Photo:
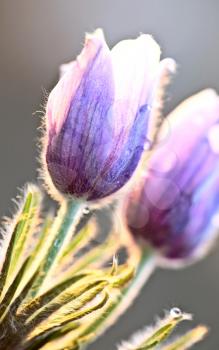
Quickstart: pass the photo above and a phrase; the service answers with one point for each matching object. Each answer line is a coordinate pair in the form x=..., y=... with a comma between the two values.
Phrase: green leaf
x=11, y=291
x=48, y=336
x=149, y=339
x=70, y=312
x=79, y=289
x=118, y=277
x=24, y=226
x=187, y=340
x=121, y=298
x=30, y=306
x=94, y=258
x=38, y=252
x=80, y=240
x=74, y=298
x=70, y=341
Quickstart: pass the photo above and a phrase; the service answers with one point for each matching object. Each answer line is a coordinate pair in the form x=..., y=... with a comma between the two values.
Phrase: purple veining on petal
x=86, y=159
x=62, y=94
x=74, y=146
x=117, y=172
x=97, y=116
x=180, y=226
x=198, y=228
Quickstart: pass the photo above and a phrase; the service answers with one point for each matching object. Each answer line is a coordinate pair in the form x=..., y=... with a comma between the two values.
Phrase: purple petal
x=113, y=177
x=61, y=96
x=135, y=66
x=72, y=154
x=176, y=203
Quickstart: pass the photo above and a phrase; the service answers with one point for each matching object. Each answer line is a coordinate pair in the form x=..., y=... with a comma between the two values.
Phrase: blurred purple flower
x=97, y=116
x=175, y=207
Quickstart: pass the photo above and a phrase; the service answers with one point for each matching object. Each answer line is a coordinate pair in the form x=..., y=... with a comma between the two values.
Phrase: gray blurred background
x=35, y=38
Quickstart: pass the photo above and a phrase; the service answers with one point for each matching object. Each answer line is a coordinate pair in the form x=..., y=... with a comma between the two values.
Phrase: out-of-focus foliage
x=154, y=337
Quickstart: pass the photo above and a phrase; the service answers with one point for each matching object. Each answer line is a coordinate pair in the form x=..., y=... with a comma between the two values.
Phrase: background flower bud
x=97, y=116
x=175, y=207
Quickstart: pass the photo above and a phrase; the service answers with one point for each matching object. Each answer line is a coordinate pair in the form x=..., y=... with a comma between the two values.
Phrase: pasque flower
x=175, y=207
x=97, y=116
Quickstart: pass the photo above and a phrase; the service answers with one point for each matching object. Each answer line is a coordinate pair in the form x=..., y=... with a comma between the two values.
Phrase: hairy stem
x=63, y=228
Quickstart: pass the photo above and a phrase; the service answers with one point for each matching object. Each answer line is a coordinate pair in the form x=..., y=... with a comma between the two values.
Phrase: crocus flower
x=175, y=207
x=97, y=116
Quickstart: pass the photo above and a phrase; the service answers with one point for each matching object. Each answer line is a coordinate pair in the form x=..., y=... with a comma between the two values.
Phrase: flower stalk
x=64, y=227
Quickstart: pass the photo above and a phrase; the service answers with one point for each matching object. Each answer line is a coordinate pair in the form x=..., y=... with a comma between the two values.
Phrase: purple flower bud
x=175, y=207
x=97, y=116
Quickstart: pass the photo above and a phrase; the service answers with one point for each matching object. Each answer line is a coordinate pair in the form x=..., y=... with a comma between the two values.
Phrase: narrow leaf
x=71, y=313
x=11, y=291
x=187, y=340
x=24, y=224
x=81, y=239
x=29, y=307
x=93, y=258
x=71, y=299
x=149, y=339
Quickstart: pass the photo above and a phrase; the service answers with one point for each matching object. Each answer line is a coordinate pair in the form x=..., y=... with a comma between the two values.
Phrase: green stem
x=64, y=226
x=116, y=308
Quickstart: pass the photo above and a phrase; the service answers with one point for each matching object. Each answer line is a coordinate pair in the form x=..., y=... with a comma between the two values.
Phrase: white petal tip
x=170, y=65
x=65, y=67
x=148, y=40
x=97, y=34
x=210, y=93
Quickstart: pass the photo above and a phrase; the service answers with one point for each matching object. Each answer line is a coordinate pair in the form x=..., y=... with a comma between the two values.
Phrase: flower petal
x=135, y=64
x=60, y=97
x=166, y=69
x=175, y=204
x=180, y=136
x=98, y=128
x=80, y=143
x=125, y=160
x=196, y=234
